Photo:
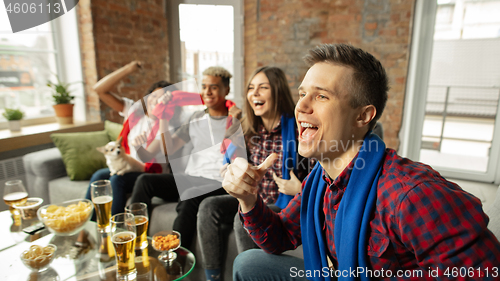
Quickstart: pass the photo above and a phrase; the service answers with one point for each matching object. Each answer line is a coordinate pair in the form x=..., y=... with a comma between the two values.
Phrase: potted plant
x=62, y=99
x=14, y=117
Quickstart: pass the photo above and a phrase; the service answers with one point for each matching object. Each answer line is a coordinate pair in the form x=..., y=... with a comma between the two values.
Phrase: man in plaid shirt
x=421, y=226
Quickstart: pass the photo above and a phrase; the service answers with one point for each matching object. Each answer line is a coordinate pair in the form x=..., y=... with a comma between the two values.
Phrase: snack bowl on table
x=28, y=210
x=66, y=218
x=166, y=241
x=38, y=258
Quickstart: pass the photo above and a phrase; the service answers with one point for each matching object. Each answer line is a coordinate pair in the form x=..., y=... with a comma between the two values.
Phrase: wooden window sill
x=40, y=134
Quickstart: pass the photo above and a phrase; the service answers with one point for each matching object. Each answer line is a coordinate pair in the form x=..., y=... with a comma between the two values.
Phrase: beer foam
x=102, y=199
x=140, y=220
x=123, y=237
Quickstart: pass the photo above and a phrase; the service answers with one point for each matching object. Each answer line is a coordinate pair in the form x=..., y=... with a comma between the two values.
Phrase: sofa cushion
x=79, y=153
x=63, y=189
x=45, y=163
x=112, y=129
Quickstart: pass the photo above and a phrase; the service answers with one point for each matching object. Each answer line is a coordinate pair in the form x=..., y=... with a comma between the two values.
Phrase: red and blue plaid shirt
x=423, y=224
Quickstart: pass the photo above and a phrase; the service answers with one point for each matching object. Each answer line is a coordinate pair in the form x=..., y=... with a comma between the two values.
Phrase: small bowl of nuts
x=38, y=258
x=166, y=241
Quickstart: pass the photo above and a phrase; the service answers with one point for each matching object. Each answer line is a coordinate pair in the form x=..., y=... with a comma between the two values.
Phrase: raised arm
x=106, y=84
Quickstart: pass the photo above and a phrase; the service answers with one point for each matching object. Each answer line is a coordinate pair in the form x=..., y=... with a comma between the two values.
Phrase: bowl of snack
x=38, y=258
x=66, y=218
x=166, y=241
x=28, y=210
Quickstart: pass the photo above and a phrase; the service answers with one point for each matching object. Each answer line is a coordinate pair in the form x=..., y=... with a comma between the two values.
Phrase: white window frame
x=174, y=42
x=416, y=97
x=69, y=60
x=69, y=66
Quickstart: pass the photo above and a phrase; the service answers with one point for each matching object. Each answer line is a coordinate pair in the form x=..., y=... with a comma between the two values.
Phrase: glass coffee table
x=83, y=256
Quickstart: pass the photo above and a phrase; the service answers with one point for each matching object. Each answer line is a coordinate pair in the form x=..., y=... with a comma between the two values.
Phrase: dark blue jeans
x=165, y=186
x=121, y=185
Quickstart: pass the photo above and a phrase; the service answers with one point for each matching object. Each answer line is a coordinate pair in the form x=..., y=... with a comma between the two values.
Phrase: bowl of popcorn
x=166, y=241
x=66, y=218
x=29, y=208
x=38, y=258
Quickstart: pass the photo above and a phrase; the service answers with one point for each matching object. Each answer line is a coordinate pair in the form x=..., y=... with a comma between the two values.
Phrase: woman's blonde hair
x=281, y=98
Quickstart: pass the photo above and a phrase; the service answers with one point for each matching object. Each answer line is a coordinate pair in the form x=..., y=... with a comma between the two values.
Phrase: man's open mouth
x=307, y=131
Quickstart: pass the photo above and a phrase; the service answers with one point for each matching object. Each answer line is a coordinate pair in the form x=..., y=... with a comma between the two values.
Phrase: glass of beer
x=14, y=194
x=140, y=212
x=102, y=197
x=123, y=234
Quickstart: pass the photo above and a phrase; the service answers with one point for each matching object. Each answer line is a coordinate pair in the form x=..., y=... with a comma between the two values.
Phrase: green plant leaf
x=61, y=94
x=13, y=114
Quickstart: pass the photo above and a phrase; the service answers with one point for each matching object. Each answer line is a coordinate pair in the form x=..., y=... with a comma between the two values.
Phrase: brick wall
x=279, y=32
x=121, y=31
x=89, y=70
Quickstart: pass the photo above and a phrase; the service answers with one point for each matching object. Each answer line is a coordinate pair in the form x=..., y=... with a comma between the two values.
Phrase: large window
x=209, y=44
x=451, y=117
x=206, y=33
x=28, y=59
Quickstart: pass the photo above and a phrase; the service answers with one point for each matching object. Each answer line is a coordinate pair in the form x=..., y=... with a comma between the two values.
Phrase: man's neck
x=220, y=111
x=334, y=165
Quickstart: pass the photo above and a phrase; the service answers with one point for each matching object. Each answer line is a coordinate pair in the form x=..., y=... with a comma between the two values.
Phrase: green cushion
x=79, y=153
x=112, y=129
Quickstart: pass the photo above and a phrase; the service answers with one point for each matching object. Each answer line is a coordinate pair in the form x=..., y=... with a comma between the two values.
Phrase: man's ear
x=228, y=90
x=366, y=115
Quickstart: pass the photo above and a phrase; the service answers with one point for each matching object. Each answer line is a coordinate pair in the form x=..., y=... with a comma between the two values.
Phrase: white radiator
x=11, y=169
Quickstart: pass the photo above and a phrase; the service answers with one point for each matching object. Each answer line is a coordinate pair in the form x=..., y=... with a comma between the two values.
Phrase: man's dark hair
x=369, y=83
x=160, y=84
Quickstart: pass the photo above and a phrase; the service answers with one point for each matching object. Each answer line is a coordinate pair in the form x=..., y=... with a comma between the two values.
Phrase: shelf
x=40, y=134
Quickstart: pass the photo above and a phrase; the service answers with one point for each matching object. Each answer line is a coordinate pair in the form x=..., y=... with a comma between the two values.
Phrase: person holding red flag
x=206, y=130
x=136, y=124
